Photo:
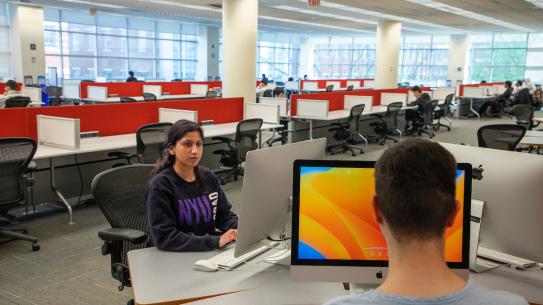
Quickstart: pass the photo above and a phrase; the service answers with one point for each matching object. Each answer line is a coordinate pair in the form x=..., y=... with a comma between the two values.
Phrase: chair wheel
x=131, y=302
x=35, y=247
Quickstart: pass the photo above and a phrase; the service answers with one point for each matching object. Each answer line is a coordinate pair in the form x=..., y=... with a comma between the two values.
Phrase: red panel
x=136, y=88
x=13, y=122
x=220, y=110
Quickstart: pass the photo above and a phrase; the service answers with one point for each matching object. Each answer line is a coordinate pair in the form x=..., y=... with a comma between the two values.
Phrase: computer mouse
x=205, y=265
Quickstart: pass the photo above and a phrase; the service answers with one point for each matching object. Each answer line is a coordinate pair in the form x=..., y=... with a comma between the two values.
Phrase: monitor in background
x=267, y=189
x=334, y=235
x=292, y=85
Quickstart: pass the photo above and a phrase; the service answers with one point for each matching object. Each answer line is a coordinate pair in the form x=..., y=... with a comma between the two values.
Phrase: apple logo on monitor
x=379, y=274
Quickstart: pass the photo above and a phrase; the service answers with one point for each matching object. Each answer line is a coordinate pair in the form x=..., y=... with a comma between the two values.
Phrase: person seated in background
x=10, y=90
x=537, y=97
x=209, y=78
x=414, y=204
x=516, y=90
x=528, y=84
x=131, y=77
x=264, y=78
x=290, y=79
x=217, y=78
x=263, y=86
x=483, y=82
x=411, y=115
x=186, y=206
x=305, y=77
x=279, y=92
x=495, y=105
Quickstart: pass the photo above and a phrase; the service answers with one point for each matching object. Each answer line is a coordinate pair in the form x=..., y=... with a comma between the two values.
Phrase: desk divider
x=71, y=89
x=369, y=83
x=281, y=102
x=353, y=100
x=58, y=131
x=389, y=98
x=97, y=93
x=154, y=89
x=309, y=85
x=473, y=92
x=268, y=113
x=34, y=93
x=441, y=93
x=198, y=89
x=174, y=115
x=313, y=108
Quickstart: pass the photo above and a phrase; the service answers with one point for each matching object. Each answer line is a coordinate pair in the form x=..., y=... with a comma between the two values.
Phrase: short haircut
x=508, y=83
x=415, y=188
x=11, y=84
x=131, y=73
x=264, y=82
x=519, y=82
x=278, y=90
x=415, y=89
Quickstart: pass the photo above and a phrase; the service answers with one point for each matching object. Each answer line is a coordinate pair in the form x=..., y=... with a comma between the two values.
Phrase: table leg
x=58, y=193
x=260, y=138
x=310, y=129
x=473, y=110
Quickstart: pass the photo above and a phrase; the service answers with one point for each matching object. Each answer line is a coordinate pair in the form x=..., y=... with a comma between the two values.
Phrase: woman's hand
x=227, y=237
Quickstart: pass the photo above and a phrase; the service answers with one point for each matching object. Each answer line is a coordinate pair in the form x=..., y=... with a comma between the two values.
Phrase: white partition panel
x=441, y=93
x=71, y=89
x=336, y=84
x=97, y=93
x=58, y=131
x=154, y=89
x=198, y=89
x=310, y=85
x=33, y=93
x=352, y=100
x=473, y=92
x=292, y=85
x=369, y=83
x=354, y=83
x=499, y=89
x=268, y=113
x=313, y=108
x=492, y=90
x=389, y=98
x=167, y=115
x=282, y=102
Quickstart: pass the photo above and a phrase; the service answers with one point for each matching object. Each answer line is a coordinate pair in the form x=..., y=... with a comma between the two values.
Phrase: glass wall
x=423, y=60
x=5, y=50
x=81, y=46
x=344, y=57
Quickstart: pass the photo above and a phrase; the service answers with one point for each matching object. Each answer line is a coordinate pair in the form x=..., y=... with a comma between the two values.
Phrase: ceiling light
x=323, y=14
x=96, y=4
x=313, y=24
x=189, y=6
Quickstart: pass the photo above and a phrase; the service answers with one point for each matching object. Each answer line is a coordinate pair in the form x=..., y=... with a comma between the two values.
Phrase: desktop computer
x=334, y=235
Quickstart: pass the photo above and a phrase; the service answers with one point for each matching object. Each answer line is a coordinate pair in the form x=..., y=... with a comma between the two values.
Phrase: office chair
x=279, y=134
x=388, y=123
x=426, y=125
x=350, y=88
x=246, y=134
x=267, y=93
x=177, y=80
x=443, y=112
x=149, y=97
x=149, y=141
x=500, y=136
x=347, y=138
x=524, y=115
x=16, y=173
x=524, y=97
x=120, y=195
x=17, y=101
x=329, y=88
x=128, y=100
x=211, y=94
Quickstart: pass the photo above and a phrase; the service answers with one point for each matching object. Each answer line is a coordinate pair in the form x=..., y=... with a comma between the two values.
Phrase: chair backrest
x=53, y=91
x=350, y=88
x=128, y=100
x=392, y=113
x=17, y=101
x=524, y=115
x=329, y=88
x=120, y=195
x=524, y=97
x=150, y=141
x=15, y=155
x=447, y=105
x=177, y=80
x=267, y=93
x=429, y=109
x=501, y=136
x=355, y=114
x=246, y=135
x=211, y=94
x=149, y=96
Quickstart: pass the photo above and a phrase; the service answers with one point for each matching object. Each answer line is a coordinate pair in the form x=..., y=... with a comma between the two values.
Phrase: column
x=458, y=49
x=388, y=54
x=27, y=42
x=213, y=51
x=240, y=29
x=307, y=55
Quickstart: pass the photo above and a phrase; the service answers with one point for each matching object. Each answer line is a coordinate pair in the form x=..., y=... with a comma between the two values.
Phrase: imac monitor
x=267, y=189
x=334, y=235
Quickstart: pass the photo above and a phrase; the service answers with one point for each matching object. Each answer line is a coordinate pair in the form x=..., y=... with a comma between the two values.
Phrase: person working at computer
x=496, y=104
x=414, y=204
x=10, y=90
x=131, y=77
x=186, y=206
x=279, y=92
x=264, y=78
x=411, y=115
x=263, y=86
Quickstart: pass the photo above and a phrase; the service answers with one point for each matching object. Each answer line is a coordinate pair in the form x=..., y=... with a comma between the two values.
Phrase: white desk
x=110, y=100
x=168, y=277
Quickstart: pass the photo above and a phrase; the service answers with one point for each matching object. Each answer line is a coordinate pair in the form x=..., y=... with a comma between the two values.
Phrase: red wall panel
x=13, y=122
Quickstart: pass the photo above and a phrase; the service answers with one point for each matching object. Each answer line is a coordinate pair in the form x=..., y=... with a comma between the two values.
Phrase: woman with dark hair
x=187, y=209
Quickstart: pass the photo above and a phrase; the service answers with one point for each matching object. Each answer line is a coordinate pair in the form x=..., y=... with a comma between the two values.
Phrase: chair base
x=226, y=175
x=19, y=234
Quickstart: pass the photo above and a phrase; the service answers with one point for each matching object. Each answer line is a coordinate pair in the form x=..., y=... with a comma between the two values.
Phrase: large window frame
x=423, y=60
x=6, y=68
x=344, y=57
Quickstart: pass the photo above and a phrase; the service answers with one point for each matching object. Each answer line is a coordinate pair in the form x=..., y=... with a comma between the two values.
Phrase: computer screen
x=333, y=220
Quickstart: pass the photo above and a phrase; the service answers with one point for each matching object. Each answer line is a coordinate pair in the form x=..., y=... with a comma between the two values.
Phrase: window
x=5, y=54
x=81, y=46
x=424, y=60
x=344, y=57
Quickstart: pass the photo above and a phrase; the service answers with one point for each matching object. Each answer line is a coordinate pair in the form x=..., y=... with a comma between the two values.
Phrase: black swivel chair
x=348, y=138
x=426, y=125
x=500, y=136
x=128, y=100
x=149, y=97
x=211, y=94
x=524, y=97
x=15, y=158
x=350, y=88
x=17, y=101
x=524, y=115
x=120, y=194
x=177, y=80
x=246, y=134
x=329, y=88
x=387, y=126
x=267, y=93
x=443, y=112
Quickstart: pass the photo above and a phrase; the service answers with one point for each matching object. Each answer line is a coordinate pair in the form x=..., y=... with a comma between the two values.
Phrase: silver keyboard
x=226, y=259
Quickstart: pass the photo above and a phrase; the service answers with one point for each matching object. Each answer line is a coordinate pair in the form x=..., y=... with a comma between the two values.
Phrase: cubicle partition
x=322, y=83
x=136, y=88
x=461, y=89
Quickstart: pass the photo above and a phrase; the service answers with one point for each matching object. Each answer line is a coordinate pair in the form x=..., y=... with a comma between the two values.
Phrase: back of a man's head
x=415, y=187
x=11, y=84
x=415, y=89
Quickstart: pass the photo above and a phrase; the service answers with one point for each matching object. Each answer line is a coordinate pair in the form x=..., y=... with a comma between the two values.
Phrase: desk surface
x=159, y=276
x=343, y=114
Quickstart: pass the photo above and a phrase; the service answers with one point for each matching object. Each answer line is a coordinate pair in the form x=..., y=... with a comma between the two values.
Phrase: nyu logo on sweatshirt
x=203, y=208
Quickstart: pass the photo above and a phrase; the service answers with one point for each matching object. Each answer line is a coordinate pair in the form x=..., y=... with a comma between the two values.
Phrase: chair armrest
x=377, y=115
x=32, y=166
x=119, y=234
x=222, y=139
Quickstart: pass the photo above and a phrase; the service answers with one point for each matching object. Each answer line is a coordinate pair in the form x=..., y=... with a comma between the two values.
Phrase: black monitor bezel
x=464, y=264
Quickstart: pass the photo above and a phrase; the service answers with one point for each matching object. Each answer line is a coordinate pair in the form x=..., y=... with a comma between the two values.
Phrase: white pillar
x=307, y=53
x=240, y=29
x=388, y=53
x=27, y=42
x=458, y=49
x=213, y=51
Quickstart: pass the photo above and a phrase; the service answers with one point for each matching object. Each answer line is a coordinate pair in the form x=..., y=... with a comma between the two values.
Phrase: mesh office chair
x=329, y=88
x=524, y=97
x=387, y=126
x=246, y=134
x=501, y=136
x=267, y=93
x=177, y=80
x=524, y=115
x=347, y=138
x=149, y=97
x=120, y=194
x=211, y=94
x=15, y=157
x=128, y=100
x=443, y=112
x=426, y=126
x=350, y=88
x=17, y=101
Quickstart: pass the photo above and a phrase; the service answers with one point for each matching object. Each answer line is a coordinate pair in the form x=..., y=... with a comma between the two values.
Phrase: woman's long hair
x=176, y=132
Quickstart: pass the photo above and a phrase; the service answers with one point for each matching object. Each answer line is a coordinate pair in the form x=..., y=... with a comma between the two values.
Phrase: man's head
x=11, y=85
x=415, y=191
x=416, y=91
x=508, y=84
x=131, y=73
x=278, y=92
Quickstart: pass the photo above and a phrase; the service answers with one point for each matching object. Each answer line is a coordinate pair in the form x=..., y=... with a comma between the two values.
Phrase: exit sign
x=313, y=3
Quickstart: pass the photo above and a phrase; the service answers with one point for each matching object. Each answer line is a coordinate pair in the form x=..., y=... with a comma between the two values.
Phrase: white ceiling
x=343, y=16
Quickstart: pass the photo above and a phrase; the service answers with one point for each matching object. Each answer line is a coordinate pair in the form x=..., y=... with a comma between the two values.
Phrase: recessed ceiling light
x=96, y=4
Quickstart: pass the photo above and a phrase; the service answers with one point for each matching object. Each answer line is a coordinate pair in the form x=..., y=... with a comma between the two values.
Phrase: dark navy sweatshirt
x=187, y=216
